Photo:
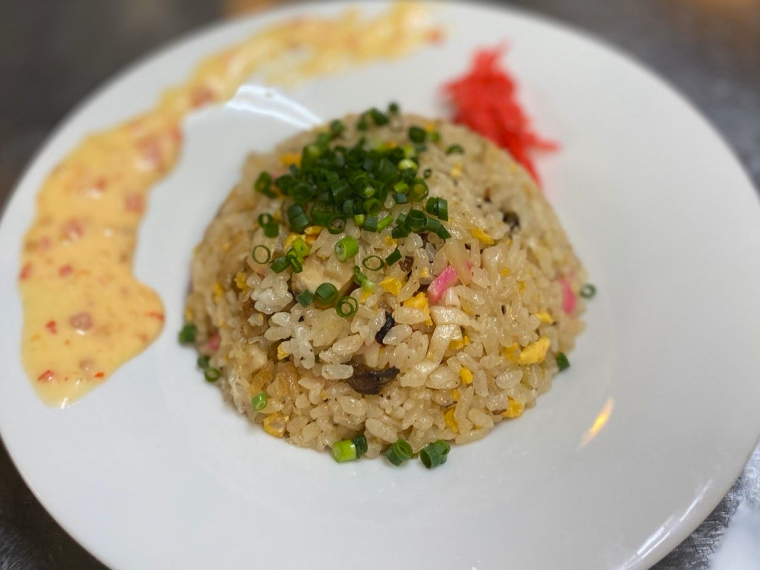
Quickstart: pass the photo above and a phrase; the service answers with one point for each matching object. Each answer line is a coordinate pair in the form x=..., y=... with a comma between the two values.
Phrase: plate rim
x=695, y=516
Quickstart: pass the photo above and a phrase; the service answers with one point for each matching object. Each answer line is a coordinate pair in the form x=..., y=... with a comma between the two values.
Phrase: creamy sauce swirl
x=85, y=313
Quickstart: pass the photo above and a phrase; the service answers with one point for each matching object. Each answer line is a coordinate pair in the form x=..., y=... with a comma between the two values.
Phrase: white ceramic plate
x=153, y=470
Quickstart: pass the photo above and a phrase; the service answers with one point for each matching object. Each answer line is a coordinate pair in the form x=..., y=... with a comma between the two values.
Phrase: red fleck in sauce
x=76, y=267
x=485, y=99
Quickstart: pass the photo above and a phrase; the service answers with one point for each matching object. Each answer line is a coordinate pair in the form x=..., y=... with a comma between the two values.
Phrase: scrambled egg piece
x=274, y=424
x=505, y=272
x=535, y=352
x=218, y=291
x=448, y=416
x=545, y=317
x=420, y=301
x=459, y=344
x=466, y=375
x=482, y=236
x=313, y=230
x=240, y=281
x=392, y=285
x=281, y=352
x=455, y=395
x=188, y=315
x=290, y=159
x=512, y=352
x=456, y=171
x=514, y=409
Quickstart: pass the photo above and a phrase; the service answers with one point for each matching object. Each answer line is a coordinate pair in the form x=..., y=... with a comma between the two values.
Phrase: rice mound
x=479, y=355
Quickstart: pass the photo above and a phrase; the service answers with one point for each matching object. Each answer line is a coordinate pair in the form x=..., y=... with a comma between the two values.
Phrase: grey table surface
x=55, y=52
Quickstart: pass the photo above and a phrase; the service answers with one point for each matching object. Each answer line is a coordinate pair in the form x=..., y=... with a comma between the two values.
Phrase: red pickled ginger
x=485, y=100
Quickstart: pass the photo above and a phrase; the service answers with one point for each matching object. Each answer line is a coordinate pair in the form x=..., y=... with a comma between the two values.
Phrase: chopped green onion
x=455, y=149
x=359, y=277
x=346, y=306
x=373, y=206
x=326, y=294
x=407, y=164
x=263, y=185
x=428, y=173
x=187, y=334
x=346, y=248
x=379, y=117
x=368, y=286
x=400, y=198
x=438, y=207
x=297, y=218
x=399, y=452
x=435, y=454
x=362, y=124
x=419, y=191
x=394, y=108
x=261, y=254
x=212, y=374
x=399, y=232
x=588, y=291
x=384, y=223
x=343, y=451
x=295, y=263
x=443, y=233
x=359, y=220
x=373, y=263
x=259, y=401
x=310, y=155
x=280, y=264
x=305, y=298
x=301, y=248
x=417, y=135
x=203, y=361
x=409, y=152
x=272, y=230
x=401, y=187
x=416, y=220
x=371, y=223
x=337, y=128
x=562, y=362
x=265, y=220
x=434, y=136
x=360, y=443
x=336, y=225
x=393, y=258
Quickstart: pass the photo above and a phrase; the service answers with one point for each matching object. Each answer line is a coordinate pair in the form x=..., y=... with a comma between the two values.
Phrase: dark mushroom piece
x=512, y=220
x=366, y=380
x=385, y=329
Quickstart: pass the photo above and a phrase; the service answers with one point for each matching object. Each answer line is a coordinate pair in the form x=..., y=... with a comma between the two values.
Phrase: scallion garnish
x=360, y=442
x=428, y=173
x=263, y=185
x=261, y=254
x=346, y=306
x=419, y=190
x=212, y=374
x=373, y=206
x=305, y=298
x=438, y=207
x=455, y=149
x=407, y=164
x=399, y=452
x=435, y=454
x=187, y=334
x=259, y=401
x=346, y=248
x=203, y=361
x=417, y=135
x=393, y=258
x=280, y=264
x=326, y=294
x=343, y=451
x=373, y=263
x=337, y=225
x=301, y=248
x=588, y=291
x=562, y=362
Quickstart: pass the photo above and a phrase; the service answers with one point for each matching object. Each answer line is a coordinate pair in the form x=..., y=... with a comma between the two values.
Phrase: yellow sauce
x=85, y=313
